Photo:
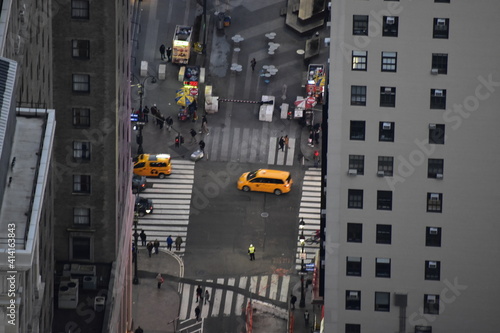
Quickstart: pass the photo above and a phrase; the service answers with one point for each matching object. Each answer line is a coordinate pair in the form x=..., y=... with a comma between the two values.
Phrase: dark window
x=434, y=202
x=81, y=150
x=80, y=9
x=386, y=165
x=353, y=300
x=353, y=266
x=389, y=61
x=359, y=60
x=354, y=232
x=388, y=96
x=435, y=167
x=81, y=49
x=81, y=216
x=352, y=328
x=436, y=134
x=384, y=200
x=386, y=131
x=357, y=130
x=390, y=26
x=81, y=184
x=360, y=25
x=433, y=236
x=384, y=234
x=355, y=199
x=425, y=329
x=383, y=267
x=140, y=165
x=432, y=270
x=441, y=28
x=431, y=304
x=440, y=62
x=382, y=301
x=81, y=117
x=358, y=95
x=357, y=162
x=81, y=248
x=438, y=99
x=81, y=83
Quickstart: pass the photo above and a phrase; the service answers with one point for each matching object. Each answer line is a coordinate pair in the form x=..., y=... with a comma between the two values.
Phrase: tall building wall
x=460, y=206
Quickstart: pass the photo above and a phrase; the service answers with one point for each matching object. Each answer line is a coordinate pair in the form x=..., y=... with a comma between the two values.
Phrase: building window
x=359, y=60
x=386, y=165
x=425, y=329
x=389, y=61
x=431, y=304
x=354, y=232
x=81, y=49
x=81, y=150
x=80, y=9
x=390, y=26
x=386, y=131
x=360, y=25
x=81, y=248
x=81, y=83
x=81, y=117
x=353, y=300
x=384, y=200
x=435, y=167
x=441, y=28
x=436, y=134
x=357, y=131
x=353, y=266
x=388, y=96
x=440, y=62
x=355, y=199
x=81, y=184
x=352, y=328
x=383, y=267
x=357, y=162
x=382, y=301
x=81, y=216
x=434, y=202
x=432, y=270
x=438, y=99
x=433, y=236
x=384, y=234
x=358, y=95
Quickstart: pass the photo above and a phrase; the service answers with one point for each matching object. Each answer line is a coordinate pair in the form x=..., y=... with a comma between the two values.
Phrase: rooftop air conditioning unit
x=386, y=126
x=352, y=172
x=431, y=299
x=441, y=21
x=391, y=20
x=434, y=71
x=439, y=175
x=438, y=93
x=433, y=231
x=434, y=196
x=387, y=89
x=380, y=173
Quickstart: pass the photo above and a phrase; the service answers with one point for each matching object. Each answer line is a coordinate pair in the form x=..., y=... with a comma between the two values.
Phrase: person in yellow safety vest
x=251, y=252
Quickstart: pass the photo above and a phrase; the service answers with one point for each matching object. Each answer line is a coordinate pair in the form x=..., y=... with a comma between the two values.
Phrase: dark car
x=138, y=183
x=143, y=206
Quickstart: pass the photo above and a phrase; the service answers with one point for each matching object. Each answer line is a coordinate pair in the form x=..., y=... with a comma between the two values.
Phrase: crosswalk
x=310, y=211
x=247, y=145
x=171, y=200
x=228, y=296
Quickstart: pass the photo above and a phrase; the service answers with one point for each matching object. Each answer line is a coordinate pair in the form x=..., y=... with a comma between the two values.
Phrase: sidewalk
x=156, y=310
x=299, y=322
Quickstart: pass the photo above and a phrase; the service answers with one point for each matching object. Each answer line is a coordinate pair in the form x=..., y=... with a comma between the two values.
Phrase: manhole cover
x=264, y=214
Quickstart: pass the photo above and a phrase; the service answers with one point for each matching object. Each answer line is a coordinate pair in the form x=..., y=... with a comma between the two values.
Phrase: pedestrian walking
x=306, y=318
x=251, y=252
x=310, y=142
x=145, y=113
x=159, y=280
x=156, y=245
x=286, y=142
x=199, y=295
x=161, y=120
x=178, y=242
x=150, y=248
x=162, y=51
x=207, y=297
x=316, y=159
x=202, y=145
x=169, y=54
x=143, y=237
x=281, y=144
x=293, y=299
x=316, y=137
x=139, y=330
x=197, y=312
x=169, y=121
x=253, y=63
x=193, y=136
x=169, y=243
x=204, y=125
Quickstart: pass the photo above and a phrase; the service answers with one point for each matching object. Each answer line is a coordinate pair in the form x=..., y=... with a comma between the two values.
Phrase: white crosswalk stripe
x=171, y=200
x=226, y=302
x=310, y=211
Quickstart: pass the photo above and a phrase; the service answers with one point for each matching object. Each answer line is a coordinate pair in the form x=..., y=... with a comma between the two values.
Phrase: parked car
x=138, y=183
x=143, y=206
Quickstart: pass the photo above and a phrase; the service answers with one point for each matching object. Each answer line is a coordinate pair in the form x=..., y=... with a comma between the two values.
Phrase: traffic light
x=179, y=139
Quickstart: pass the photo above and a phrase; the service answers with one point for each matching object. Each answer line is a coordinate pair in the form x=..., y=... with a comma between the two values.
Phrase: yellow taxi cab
x=156, y=165
x=266, y=180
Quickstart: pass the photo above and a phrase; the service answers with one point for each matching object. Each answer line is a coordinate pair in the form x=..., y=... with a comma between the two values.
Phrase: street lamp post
x=141, y=123
x=134, y=254
x=302, y=272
